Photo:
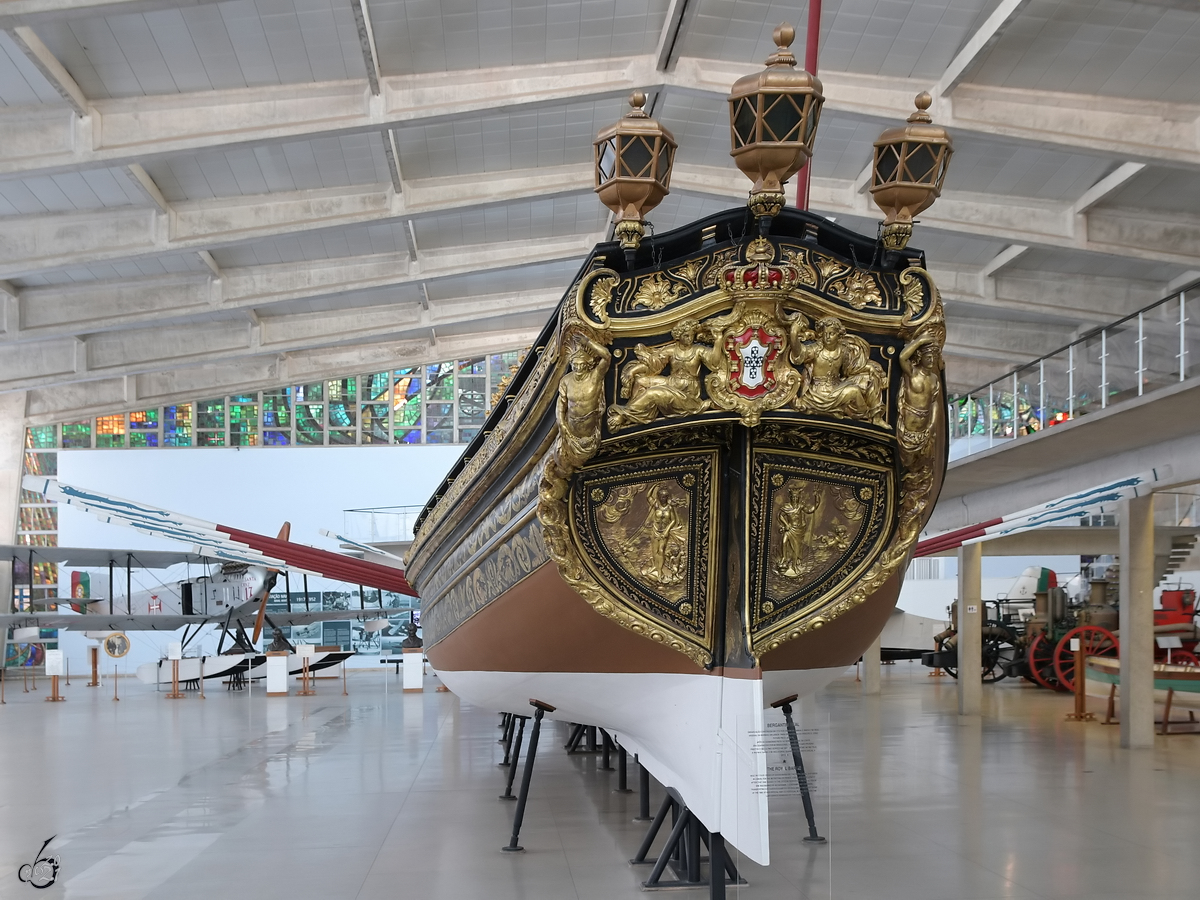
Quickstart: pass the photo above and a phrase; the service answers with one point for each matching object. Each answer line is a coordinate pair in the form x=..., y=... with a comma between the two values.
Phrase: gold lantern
x=633, y=170
x=910, y=166
x=773, y=119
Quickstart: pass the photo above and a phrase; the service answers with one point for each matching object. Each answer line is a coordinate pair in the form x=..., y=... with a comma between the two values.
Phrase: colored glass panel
x=276, y=438
x=310, y=423
x=306, y=393
x=342, y=395
x=243, y=420
x=472, y=394
x=143, y=439
x=375, y=387
x=37, y=518
x=374, y=423
x=439, y=381
x=41, y=463
x=210, y=438
x=143, y=420
x=37, y=540
x=110, y=431
x=342, y=437
x=41, y=437
x=277, y=409
x=177, y=425
x=210, y=414
x=408, y=435
x=406, y=401
x=77, y=435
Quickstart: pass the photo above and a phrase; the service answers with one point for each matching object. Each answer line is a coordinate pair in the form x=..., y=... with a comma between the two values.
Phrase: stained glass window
x=406, y=404
x=177, y=425
x=143, y=428
x=472, y=396
x=343, y=410
x=77, y=435
x=38, y=518
x=310, y=423
x=374, y=423
x=41, y=437
x=307, y=393
x=210, y=423
x=41, y=464
x=110, y=431
x=243, y=420
x=375, y=387
x=439, y=403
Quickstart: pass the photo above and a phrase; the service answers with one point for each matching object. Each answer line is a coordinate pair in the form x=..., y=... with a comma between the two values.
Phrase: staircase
x=1182, y=557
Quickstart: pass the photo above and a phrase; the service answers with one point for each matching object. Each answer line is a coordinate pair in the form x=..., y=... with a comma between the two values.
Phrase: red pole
x=804, y=176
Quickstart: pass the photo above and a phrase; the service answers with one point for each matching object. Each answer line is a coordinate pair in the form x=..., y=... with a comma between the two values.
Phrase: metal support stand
x=516, y=756
x=526, y=777
x=577, y=732
x=643, y=793
x=606, y=744
x=622, y=772
x=801, y=777
x=682, y=852
x=509, y=725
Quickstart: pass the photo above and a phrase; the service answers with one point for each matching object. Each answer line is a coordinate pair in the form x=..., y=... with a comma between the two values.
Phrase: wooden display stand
x=305, y=651
x=175, y=694
x=94, y=652
x=54, y=666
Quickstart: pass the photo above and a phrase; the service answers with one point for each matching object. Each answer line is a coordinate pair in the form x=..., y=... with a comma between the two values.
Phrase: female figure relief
x=675, y=394
x=796, y=521
x=841, y=379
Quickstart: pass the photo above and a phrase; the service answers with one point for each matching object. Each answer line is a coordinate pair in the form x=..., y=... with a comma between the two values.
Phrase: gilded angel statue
x=840, y=378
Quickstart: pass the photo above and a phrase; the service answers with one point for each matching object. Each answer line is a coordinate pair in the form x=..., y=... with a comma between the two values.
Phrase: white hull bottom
x=695, y=733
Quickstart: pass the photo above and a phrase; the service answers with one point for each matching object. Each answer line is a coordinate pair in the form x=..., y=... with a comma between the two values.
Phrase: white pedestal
x=277, y=671
x=414, y=669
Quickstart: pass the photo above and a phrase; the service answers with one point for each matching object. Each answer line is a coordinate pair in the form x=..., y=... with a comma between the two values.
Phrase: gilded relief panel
x=816, y=523
x=647, y=529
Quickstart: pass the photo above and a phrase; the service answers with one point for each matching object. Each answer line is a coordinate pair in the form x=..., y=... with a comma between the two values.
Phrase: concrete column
x=1137, y=622
x=970, y=629
x=871, y=666
x=12, y=450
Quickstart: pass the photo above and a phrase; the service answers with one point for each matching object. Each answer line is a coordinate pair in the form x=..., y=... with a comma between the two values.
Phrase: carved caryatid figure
x=581, y=400
x=920, y=391
x=796, y=520
x=652, y=394
x=840, y=378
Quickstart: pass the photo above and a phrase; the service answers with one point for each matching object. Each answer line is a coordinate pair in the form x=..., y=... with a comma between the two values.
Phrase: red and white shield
x=752, y=361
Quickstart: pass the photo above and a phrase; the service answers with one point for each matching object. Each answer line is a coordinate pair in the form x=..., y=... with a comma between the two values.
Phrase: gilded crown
x=760, y=272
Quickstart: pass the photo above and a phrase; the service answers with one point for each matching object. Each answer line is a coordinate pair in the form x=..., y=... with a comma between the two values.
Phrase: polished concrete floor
x=382, y=794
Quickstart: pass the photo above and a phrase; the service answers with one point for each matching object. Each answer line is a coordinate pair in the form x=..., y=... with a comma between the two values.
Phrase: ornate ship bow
x=749, y=439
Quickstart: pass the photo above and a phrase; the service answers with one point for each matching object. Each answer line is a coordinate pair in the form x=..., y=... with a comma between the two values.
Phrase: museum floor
x=383, y=794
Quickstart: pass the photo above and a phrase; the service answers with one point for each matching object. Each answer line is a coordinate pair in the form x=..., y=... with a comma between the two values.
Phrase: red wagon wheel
x=1184, y=658
x=1041, y=663
x=1093, y=640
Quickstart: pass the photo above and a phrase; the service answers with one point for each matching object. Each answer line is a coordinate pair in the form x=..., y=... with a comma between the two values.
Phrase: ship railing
x=380, y=525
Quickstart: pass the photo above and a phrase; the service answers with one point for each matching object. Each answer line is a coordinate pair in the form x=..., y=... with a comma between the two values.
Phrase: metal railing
x=1146, y=351
x=381, y=525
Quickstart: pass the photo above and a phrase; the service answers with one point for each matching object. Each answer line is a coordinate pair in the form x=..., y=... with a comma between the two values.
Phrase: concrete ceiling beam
x=94, y=307
x=138, y=351
x=121, y=131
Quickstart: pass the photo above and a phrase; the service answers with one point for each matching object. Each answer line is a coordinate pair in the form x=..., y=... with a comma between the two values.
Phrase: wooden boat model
x=698, y=496
x=700, y=492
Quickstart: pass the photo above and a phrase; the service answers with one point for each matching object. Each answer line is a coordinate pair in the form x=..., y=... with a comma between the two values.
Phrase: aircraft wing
x=223, y=543
x=101, y=621
x=87, y=558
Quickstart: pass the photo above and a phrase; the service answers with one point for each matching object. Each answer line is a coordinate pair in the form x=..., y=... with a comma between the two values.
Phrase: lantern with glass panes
x=908, y=172
x=773, y=119
x=633, y=170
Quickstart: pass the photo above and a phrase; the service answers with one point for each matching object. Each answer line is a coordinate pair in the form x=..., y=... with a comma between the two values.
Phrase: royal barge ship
x=699, y=493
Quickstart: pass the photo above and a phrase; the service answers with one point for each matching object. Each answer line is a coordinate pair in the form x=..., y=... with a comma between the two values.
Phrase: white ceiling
x=334, y=173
